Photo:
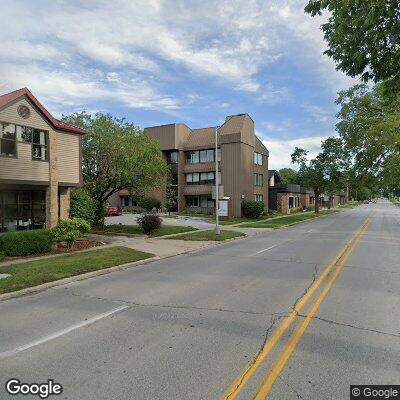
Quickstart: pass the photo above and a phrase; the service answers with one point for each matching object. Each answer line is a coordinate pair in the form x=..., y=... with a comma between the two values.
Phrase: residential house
x=40, y=161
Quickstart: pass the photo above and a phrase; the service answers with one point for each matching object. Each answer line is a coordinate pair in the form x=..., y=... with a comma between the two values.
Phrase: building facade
x=242, y=160
x=40, y=160
x=290, y=198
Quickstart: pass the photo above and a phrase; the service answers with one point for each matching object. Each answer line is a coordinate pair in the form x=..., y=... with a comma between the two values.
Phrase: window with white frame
x=258, y=179
x=258, y=197
x=258, y=158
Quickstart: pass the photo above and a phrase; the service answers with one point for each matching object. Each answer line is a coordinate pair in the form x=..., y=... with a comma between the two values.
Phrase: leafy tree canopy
x=363, y=36
x=369, y=125
x=288, y=175
x=117, y=155
x=328, y=172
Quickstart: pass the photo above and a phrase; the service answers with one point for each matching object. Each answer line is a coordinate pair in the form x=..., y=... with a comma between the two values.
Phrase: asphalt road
x=187, y=326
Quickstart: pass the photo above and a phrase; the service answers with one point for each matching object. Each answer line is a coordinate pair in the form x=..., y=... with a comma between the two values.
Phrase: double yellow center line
x=332, y=272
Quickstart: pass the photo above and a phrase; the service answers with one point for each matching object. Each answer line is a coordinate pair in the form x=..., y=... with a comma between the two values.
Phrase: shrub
x=82, y=206
x=149, y=223
x=25, y=243
x=2, y=256
x=252, y=209
x=70, y=230
x=148, y=203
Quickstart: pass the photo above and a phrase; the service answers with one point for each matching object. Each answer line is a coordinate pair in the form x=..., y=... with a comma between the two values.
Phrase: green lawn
x=208, y=235
x=285, y=221
x=351, y=204
x=137, y=230
x=33, y=273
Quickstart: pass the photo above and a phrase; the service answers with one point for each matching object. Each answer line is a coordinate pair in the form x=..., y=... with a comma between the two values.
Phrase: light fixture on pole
x=217, y=228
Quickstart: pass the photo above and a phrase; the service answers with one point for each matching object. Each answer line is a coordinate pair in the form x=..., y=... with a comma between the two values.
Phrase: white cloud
x=73, y=89
x=230, y=41
x=281, y=150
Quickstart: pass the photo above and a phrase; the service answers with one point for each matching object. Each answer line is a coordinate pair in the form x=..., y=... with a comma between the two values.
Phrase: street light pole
x=217, y=228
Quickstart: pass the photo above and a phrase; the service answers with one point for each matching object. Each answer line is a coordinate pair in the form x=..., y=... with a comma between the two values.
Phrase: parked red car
x=113, y=211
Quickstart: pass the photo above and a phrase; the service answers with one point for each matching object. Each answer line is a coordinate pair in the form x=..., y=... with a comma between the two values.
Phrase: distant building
x=243, y=165
x=290, y=198
x=273, y=177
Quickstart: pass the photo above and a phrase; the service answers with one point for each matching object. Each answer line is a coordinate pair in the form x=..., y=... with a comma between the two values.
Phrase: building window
x=202, y=178
x=290, y=202
x=22, y=210
x=200, y=156
x=10, y=134
x=219, y=154
x=173, y=157
x=203, y=201
x=192, y=201
x=258, y=197
x=258, y=158
x=39, y=145
x=8, y=143
x=258, y=179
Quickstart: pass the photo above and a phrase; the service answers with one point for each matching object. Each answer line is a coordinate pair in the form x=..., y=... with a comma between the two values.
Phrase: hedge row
x=25, y=243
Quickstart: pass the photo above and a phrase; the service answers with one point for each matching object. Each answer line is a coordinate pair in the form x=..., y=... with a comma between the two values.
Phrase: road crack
x=351, y=326
x=298, y=395
x=132, y=303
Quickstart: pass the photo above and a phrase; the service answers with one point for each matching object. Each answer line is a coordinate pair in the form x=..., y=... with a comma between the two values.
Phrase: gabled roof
x=56, y=123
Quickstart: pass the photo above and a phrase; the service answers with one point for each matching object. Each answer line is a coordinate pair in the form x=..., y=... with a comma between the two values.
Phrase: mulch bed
x=78, y=245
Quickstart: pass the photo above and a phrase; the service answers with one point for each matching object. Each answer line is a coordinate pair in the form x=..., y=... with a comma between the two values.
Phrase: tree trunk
x=100, y=206
x=316, y=196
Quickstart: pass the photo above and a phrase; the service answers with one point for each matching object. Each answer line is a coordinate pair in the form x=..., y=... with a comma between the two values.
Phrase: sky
x=158, y=62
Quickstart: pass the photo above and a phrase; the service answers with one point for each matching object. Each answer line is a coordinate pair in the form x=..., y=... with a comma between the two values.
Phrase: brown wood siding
x=197, y=189
x=165, y=135
x=231, y=159
x=68, y=163
x=200, y=167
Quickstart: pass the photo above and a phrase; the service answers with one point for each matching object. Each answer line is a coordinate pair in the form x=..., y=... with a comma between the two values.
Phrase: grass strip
x=209, y=235
x=33, y=273
x=286, y=221
x=137, y=230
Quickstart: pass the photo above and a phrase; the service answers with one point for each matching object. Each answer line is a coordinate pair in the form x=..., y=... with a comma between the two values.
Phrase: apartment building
x=242, y=160
x=40, y=160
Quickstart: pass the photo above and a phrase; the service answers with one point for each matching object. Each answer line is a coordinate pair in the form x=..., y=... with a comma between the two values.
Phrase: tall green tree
x=288, y=175
x=117, y=155
x=363, y=36
x=326, y=173
x=369, y=125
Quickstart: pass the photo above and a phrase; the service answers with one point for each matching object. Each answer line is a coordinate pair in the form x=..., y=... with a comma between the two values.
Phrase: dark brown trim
x=69, y=184
x=24, y=182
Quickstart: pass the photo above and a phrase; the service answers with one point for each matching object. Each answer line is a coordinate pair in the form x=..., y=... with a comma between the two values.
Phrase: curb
x=75, y=278
x=93, y=274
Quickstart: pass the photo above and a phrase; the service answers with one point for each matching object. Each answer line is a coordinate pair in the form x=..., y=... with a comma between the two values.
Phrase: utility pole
x=217, y=228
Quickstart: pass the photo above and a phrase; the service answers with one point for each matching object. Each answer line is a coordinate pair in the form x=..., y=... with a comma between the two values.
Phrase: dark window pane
x=39, y=196
x=39, y=137
x=8, y=148
x=10, y=197
x=10, y=211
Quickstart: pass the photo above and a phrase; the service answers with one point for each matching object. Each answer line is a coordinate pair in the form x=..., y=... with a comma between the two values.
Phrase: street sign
x=223, y=208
